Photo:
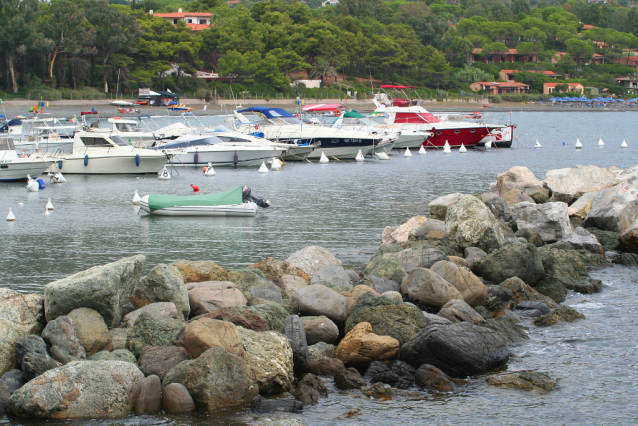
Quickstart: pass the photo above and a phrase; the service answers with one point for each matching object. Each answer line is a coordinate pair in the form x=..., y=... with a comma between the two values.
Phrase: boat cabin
x=96, y=140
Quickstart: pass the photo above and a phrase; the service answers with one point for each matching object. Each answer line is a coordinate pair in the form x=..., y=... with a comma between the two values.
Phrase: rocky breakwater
x=441, y=300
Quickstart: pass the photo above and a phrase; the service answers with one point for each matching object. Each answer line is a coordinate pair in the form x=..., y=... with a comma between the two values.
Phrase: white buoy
x=263, y=168
x=49, y=205
x=46, y=211
x=57, y=177
x=446, y=148
x=488, y=145
x=382, y=156
x=32, y=184
x=422, y=150
x=10, y=217
x=407, y=153
x=20, y=204
x=623, y=144
x=275, y=165
x=359, y=156
x=600, y=142
x=209, y=171
x=463, y=149
x=164, y=174
x=537, y=144
x=136, y=198
x=323, y=159
x=578, y=144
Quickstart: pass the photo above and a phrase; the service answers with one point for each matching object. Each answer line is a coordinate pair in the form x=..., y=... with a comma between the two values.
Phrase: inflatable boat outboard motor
x=248, y=196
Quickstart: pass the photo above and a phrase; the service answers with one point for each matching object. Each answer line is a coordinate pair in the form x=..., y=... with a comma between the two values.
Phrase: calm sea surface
x=344, y=208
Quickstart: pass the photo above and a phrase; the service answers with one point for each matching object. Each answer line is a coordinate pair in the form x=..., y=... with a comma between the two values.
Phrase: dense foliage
x=261, y=45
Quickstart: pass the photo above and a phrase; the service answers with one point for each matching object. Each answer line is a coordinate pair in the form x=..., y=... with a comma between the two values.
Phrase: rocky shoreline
x=440, y=301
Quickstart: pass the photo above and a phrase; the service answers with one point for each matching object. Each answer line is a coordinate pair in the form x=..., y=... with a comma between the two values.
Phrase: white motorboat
x=46, y=139
x=16, y=167
x=130, y=131
x=221, y=149
x=279, y=125
x=234, y=202
x=106, y=153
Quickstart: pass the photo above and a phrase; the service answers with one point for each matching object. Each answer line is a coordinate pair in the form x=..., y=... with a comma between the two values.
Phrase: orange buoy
x=195, y=187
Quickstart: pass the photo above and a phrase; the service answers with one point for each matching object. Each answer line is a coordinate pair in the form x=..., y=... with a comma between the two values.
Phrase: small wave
x=588, y=305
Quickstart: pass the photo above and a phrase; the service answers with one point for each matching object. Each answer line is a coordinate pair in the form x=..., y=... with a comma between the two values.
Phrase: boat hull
x=467, y=136
x=501, y=138
x=409, y=140
x=253, y=157
x=102, y=165
x=297, y=153
x=18, y=170
x=230, y=210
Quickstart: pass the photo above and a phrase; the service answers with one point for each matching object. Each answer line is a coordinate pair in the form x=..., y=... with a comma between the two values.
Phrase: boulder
x=460, y=262
x=62, y=341
x=578, y=181
x=269, y=355
x=317, y=299
x=10, y=333
x=393, y=295
x=580, y=208
x=270, y=293
x=199, y=270
x=539, y=194
x=15, y=308
x=217, y=380
x=312, y=258
x=498, y=299
x=473, y=253
x=91, y=330
x=165, y=283
x=205, y=333
x=386, y=266
x=326, y=366
x=429, y=288
x=246, y=279
x=159, y=309
x=209, y=296
x=361, y=346
x=563, y=313
x=531, y=236
x=459, y=349
x=148, y=395
x=296, y=334
x=33, y=357
x=403, y=232
x=569, y=269
x=379, y=372
x=439, y=206
x=378, y=391
x=14, y=379
x=176, y=399
x=509, y=331
x=116, y=355
x=105, y=289
x=353, y=295
x=512, y=260
x=151, y=330
x=320, y=329
x=380, y=285
x=528, y=309
x=582, y=239
x=516, y=178
x=310, y=389
x=469, y=285
x=614, y=209
x=514, y=196
x=274, y=314
x=321, y=350
x=159, y=360
x=523, y=292
x=241, y=316
x=471, y=224
x=348, y=378
x=459, y=311
x=433, y=319
x=419, y=257
x=83, y=389
x=433, y=379
x=334, y=274
x=429, y=228
x=626, y=259
x=523, y=380
x=550, y=220
x=275, y=269
x=387, y=317
x=291, y=283
x=628, y=239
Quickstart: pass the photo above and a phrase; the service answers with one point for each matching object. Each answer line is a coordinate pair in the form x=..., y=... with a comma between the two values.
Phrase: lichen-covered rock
x=522, y=291
x=273, y=313
x=429, y=288
x=10, y=332
x=321, y=350
x=296, y=334
x=511, y=260
x=471, y=224
x=386, y=266
x=159, y=360
x=563, y=313
x=33, y=357
x=269, y=356
x=64, y=346
x=274, y=269
x=83, y=389
x=105, y=289
x=318, y=299
x=524, y=380
x=469, y=285
x=159, y=309
x=361, y=345
x=116, y=355
x=312, y=258
x=150, y=330
x=439, y=206
x=569, y=268
x=91, y=330
x=419, y=257
x=320, y=329
x=14, y=307
x=197, y=271
x=165, y=283
x=550, y=220
x=205, y=333
x=241, y=316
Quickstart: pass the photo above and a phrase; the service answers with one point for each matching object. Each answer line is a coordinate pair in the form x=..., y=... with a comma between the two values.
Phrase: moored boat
x=15, y=167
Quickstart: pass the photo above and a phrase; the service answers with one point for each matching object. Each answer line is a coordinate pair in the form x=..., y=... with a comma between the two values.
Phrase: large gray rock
x=105, y=289
x=582, y=239
x=63, y=343
x=91, y=330
x=499, y=208
x=296, y=334
x=217, y=380
x=387, y=266
x=628, y=240
x=471, y=224
x=334, y=274
x=459, y=311
x=312, y=258
x=419, y=257
x=151, y=330
x=317, y=299
x=429, y=288
x=291, y=283
x=516, y=178
x=15, y=308
x=164, y=283
x=550, y=220
x=270, y=357
x=439, y=206
x=33, y=356
x=159, y=360
x=512, y=260
x=209, y=296
x=176, y=399
x=116, y=355
x=159, y=309
x=84, y=389
x=402, y=233
x=10, y=332
x=270, y=293
x=469, y=285
x=580, y=208
x=614, y=209
x=578, y=181
x=381, y=285
x=459, y=349
x=320, y=329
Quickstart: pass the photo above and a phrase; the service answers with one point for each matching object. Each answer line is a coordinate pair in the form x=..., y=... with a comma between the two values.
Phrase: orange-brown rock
x=361, y=345
x=353, y=295
x=205, y=333
x=197, y=271
x=274, y=269
x=459, y=261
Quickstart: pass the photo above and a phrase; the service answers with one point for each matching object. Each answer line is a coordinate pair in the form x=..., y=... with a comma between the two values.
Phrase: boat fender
x=195, y=187
x=60, y=164
x=86, y=160
x=235, y=159
x=137, y=160
x=196, y=160
x=40, y=184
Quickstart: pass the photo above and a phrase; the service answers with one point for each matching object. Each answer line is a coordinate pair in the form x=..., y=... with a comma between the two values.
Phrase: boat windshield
x=118, y=140
x=177, y=144
x=285, y=121
x=6, y=143
x=232, y=139
x=127, y=127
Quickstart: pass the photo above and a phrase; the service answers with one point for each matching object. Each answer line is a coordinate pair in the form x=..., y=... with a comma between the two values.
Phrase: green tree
x=436, y=66
x=323, y=70
x=579, y=49
x=239, y=67
x=520, y=6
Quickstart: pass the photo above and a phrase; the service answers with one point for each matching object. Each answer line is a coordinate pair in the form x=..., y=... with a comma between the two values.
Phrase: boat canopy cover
x=232, y=196
x=353, y=114
x=390, y=86
x=268, y=112
x=322, y=107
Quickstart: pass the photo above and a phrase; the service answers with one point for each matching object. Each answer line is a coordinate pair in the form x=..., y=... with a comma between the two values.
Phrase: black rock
x=348, y=379
x=296, y=334
x=459, y=349
x=627, y=259
x=14, y=379
x=33, y=357
x=406, y=374
x=531, y=236
x=326, y=366
x=526, y=304
x=263, y=405
x=310, y=390
x=509, y=331
x=432, y=378
x=379, y=372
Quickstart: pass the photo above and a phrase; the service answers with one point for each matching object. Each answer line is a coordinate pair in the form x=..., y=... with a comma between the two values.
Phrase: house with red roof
x=510, y=55
x=510, y=75
x=549, y=88
x=627, y=60
x=500, y=87
x=196, y=21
